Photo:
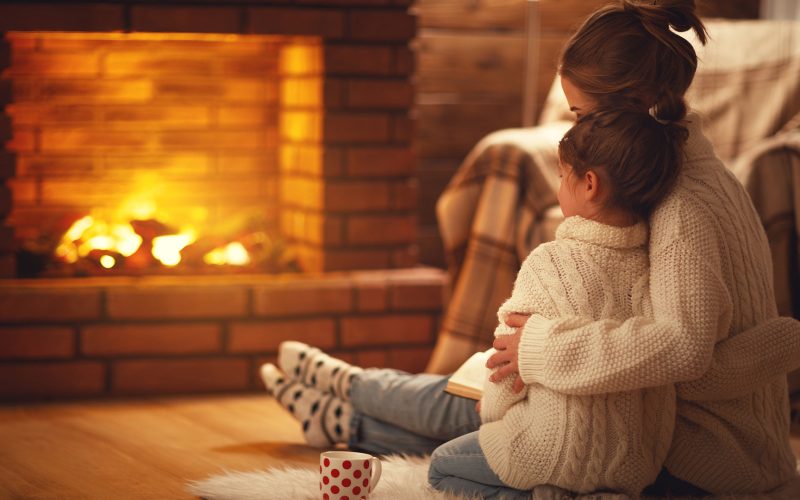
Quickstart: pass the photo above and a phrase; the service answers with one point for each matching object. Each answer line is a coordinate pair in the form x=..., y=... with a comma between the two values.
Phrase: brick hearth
x=123, y=336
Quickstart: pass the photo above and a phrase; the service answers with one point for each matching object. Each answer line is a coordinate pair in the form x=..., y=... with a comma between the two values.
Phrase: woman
x=714, y=308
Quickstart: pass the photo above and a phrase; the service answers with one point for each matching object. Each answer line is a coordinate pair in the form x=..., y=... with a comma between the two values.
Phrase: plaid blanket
x=489, y=221
x=501, y=203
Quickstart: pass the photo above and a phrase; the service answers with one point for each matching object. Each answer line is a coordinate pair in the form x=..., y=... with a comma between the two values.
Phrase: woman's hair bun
x=681, y=15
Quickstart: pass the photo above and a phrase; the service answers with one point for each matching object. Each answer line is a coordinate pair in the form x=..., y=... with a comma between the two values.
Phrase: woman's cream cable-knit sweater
x=614, y=442
x=714, y=328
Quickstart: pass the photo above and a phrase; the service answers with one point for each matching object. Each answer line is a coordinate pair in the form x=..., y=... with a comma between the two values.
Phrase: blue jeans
x=460, y=467
x=396, y=412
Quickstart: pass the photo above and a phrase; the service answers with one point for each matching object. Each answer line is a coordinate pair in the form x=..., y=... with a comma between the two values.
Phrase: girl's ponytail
x=639, y=156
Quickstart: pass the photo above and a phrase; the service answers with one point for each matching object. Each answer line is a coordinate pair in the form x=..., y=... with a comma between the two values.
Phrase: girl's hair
x=627, y=54
x=638, y=156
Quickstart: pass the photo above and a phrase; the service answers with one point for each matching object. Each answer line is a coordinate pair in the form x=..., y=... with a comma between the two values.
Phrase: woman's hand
x=507, y=355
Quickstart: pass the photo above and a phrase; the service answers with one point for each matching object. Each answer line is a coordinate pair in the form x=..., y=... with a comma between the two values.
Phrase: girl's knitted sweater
x=714, y=332
x=583, y=443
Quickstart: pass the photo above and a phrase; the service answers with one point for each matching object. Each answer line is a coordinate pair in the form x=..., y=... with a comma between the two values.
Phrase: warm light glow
x=302, y=59
x=99, y=242
x=107, y=261
x=233, y=254
x=78, y=228
x=67, y=252
x=142, y=209
x=127, y=241
x=167, y=249
x=301, y=126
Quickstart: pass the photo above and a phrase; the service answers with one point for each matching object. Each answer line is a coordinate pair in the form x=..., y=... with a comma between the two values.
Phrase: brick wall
x=116, y=337
x=336, y=128
x=7, y=170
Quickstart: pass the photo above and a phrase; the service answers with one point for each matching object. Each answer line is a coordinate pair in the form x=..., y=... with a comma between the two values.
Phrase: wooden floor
x=142, y=449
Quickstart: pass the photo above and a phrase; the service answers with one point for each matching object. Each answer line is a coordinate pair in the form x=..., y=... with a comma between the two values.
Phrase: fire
x=116, y=241
x=88, y=234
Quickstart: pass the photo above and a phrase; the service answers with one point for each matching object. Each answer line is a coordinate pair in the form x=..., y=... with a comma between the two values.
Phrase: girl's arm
x=528, y=296
x=497, y=399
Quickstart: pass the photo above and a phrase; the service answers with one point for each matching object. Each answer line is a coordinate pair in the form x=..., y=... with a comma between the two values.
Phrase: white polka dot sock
x=324, y=417
x=314, y=368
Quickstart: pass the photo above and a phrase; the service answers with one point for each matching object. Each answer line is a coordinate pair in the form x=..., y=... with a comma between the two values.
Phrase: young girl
x=615, y=167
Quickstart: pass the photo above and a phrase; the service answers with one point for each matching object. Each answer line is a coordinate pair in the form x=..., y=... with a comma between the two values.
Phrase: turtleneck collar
x=589, y=231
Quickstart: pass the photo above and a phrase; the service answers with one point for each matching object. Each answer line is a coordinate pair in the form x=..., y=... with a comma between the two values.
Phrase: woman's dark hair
x=638, y=156
x=626, y=53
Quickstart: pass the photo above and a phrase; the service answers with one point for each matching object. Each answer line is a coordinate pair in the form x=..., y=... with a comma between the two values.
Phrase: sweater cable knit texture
x=616, y=441
x=711, y=281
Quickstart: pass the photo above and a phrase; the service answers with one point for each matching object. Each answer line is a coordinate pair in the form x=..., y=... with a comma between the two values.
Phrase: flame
x=127, y=241
x=107, y=261
x=167, y=249
x=234, y=254
x=79, y=227
x=88, y=233
x=93, y=233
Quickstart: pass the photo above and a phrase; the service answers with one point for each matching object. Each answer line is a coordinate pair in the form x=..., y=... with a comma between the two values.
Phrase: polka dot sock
x=314, y=368
x=324, y=417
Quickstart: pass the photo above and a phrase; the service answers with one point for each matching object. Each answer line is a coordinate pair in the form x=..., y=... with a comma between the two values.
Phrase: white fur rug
x=403, y=478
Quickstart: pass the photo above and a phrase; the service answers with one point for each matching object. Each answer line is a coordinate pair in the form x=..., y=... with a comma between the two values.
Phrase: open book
x=468, y=380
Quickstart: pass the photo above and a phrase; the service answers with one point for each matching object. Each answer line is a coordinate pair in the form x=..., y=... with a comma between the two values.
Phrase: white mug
x=347, y=475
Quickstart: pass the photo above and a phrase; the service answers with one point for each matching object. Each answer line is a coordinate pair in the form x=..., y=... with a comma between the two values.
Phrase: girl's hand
x=507, y=355
x=478, y=406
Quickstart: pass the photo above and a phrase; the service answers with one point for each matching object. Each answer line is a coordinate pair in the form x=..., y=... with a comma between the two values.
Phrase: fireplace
x=140, y=153
x=218, y=125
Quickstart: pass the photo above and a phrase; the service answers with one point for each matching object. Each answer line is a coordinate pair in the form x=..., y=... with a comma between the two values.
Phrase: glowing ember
x=88, y=234
x=107, y=261
x=234, y=254
x=167, y=249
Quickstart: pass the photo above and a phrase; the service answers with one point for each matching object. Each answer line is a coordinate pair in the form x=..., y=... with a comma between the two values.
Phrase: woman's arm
x=743, y=363
x=579, y=356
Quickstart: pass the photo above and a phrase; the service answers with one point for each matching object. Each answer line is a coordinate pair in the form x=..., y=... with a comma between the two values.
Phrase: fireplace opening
x=158, y=153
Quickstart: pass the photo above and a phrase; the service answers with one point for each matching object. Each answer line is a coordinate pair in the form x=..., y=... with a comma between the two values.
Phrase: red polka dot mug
x=347, y=475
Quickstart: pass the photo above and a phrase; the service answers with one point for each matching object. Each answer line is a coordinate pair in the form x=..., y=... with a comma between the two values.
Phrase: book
x=468, y=379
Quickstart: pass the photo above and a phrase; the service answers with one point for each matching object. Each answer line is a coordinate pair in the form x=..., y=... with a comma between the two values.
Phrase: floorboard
x=145, y=448
x=137, y=449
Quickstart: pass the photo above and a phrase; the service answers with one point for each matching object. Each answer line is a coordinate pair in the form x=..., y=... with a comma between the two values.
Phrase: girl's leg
x=314, y=368
x=414, y=403
x=328, y=420
x=380, y=438
x=324, y=417
x=392, y=411
x=460, y=467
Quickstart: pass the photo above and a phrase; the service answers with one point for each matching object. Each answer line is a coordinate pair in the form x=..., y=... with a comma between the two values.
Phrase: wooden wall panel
x=476, y=67
x=481, y=15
